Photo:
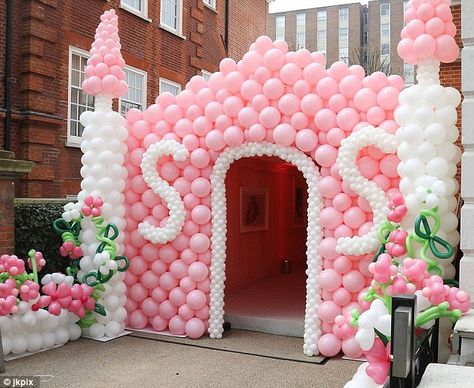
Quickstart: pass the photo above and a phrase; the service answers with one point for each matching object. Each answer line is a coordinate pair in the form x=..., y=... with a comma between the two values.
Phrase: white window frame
x=144, y=91
x=299, y=33
x=179, y=19
x=206, y=74
x=279, y=36
x=210, y=4
x=143, y=13
x=169, y=82
x=343, y=40
x=321, y=28
x=71, y=140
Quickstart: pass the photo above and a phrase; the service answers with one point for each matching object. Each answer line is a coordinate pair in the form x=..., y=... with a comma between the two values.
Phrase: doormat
x=245, y=342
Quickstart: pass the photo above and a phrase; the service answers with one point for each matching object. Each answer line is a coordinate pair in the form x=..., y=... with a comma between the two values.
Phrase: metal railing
x=412, y=349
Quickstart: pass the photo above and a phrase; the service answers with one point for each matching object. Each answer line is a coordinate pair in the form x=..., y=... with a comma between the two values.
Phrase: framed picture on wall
x=300, y=203
x=253, y=209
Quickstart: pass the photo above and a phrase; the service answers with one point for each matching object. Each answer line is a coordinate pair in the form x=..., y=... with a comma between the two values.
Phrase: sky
x=287, y=5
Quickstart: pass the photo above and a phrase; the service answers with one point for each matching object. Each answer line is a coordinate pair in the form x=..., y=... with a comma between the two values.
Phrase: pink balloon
x=176, y=325
x=424, y=45
x=388, y=166
x=138, y=319
x=233, y=136
x=167, y=253
x=343, y=231
x=158, y=267
x=446, y=48
x=435, y=26
x=195, y=328
x=149, y=307
x=187, y=284
x=138, y=266
x=198, y=271
x=329, y=345
x=330, y=280
x=327, y=87
x=138, y=292
x=185, y=312
x=201, y=187
x=167, y=309
x=328, y=311
x=150, y=280
x=311, y=104
x=325, y=119
x=306, y=140
x=341, y=296
x=354, y=217
x=199, y=243
x=335, y=136
x=269, y=117
x=326, y=155
x=168, y=281
x=273, y=88
x=232, y=105
x=290, y=73
x=257, y=132
x=337, y=102
x=284, y=134
x=178, y=269
x=274, y=59
x=252, y=60
x=301, y=88
x=327, y=248
x=196, y=299
x=330, y=218
x=349, y=86
x=364, y=99
x=215, y=140
x=368, y=167
x=289, y=104
x=159, y=295
x=353, y=281
x=313, y=72
x=159, y=323
x=342, y=265
x=177, y=296
x=329, y=186
x=351, y=348
x=347, y=118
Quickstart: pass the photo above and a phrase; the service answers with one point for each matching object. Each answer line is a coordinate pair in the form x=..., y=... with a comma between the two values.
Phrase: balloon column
x=103, y=172
x=417, y=249
x=427, y=117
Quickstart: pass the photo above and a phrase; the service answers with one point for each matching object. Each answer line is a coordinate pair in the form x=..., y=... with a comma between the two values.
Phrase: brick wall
x=248, y=19
x=43, y=32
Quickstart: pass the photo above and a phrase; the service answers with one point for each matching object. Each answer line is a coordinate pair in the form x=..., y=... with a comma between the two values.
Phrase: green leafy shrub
x=33, y=230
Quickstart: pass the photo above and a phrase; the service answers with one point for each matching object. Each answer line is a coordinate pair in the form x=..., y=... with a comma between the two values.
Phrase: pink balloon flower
x=378, y=358
x=81, y=299
x=40, y=261
x=383, y=269
x=458, y=300
x=92, y=206
x=12, y=264
x=29, y=290
x=435, y=290
x=69, y=249
x=8, y=294
x=415, y=271
x=398, y=208
x=341, y=327
x=396, y=245
x=400, y=286
x=55, y=298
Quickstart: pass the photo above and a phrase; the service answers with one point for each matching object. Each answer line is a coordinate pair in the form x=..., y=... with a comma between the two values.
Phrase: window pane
x=300, y=30
x=136, y=4
x=169, y=87
x=280, y=28
x=79, y=101
x=169, y=13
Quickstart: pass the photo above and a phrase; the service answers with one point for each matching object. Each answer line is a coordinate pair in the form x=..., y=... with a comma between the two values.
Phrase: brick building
x=164, y=44
x=335, y=30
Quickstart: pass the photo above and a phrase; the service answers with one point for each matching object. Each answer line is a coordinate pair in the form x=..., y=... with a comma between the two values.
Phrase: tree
x=370, y=60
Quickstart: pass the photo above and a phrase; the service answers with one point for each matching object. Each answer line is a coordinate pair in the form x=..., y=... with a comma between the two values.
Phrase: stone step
x=447, y=376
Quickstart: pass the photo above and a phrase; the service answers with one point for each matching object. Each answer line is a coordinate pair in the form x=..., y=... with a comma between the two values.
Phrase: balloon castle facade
x=374, y=156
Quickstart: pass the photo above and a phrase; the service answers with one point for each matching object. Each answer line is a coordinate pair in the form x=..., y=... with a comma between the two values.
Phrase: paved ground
x=135, y=362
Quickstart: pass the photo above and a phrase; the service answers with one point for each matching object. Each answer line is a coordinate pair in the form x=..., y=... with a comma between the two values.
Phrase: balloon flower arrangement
x=20, y=291
x=397, y=271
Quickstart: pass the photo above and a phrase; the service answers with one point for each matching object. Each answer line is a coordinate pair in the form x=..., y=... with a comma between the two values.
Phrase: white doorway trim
x=310, y=172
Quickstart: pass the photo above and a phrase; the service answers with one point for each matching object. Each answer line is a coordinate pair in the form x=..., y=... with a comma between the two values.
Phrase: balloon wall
x=273, y=96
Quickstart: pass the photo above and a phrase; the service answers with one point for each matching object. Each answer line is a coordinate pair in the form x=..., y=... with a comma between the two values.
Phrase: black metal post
x=8, y=75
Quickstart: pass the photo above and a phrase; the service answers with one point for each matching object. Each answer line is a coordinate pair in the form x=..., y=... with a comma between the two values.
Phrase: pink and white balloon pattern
x=429, y=32
x=273, y=95
x=104, y=70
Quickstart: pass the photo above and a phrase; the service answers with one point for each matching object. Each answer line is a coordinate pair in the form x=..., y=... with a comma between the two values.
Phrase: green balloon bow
x=430, y=242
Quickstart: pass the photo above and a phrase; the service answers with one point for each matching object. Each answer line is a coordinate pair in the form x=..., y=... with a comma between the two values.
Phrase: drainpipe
x=226, y=28
x=8, y=75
